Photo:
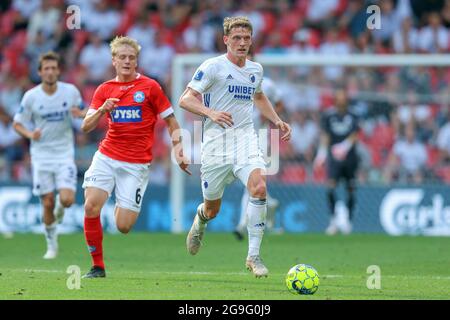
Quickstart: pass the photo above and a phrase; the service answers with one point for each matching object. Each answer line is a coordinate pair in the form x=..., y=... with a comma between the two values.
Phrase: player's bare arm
x=91, y=121
x=78, y=113
x=28, y=134
x=191, y=101
x=174, y=132
x=322, y=151
x=267, y=110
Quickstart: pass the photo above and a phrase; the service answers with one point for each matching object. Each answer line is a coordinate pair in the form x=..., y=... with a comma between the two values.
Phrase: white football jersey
x=226, y=87
x=50, y=113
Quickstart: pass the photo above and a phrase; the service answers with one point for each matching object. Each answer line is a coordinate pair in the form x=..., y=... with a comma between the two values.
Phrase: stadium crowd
x=404, y=112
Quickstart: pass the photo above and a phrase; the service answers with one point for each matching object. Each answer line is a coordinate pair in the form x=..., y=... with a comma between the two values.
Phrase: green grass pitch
x=157, y=266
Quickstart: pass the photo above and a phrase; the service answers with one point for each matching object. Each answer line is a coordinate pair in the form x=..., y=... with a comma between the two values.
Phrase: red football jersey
x=131, y=125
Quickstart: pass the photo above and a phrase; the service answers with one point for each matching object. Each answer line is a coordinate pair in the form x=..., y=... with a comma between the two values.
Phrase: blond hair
x=236, y=22
x=119, y=41
x=48, y=56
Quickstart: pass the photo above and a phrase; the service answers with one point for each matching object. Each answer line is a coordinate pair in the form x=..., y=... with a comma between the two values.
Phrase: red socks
x=93, y=233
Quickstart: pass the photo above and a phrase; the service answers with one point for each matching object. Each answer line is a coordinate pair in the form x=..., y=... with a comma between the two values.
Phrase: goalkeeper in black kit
x=338, y=151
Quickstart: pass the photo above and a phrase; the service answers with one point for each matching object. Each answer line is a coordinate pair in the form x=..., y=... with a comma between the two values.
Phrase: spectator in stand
x=421, y=8
x=84, y=5
x=249, y=9
x=10, y=95
x=446, y=14
x=362, y=44
x=142, y=31
x=102, y=20
x=26, y=8
x=10, y=142
x=162, y=53
x=420, y=114
x=323, y=13
x=274, y=44
x=443, y=141
x=96, y=60
x=403, y=9
x=404, y=39
x=301, y=45
x=305, y=137
x=354, y=18
x=390, y=21
x=434, y=37
x=35, y=48
x=407, y=160
x=199, y=37
x=301, y=42
x=46, y=20
x=216, y=12
x=337, y=47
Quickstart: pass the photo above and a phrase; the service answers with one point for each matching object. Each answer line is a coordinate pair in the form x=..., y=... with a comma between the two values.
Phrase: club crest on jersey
x=139, y=96
x=125, y=114
x=252, y=78
x=199, y=75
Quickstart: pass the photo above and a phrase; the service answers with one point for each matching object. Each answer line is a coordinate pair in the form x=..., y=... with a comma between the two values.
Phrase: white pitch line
x=208, y=273
x=42, y=271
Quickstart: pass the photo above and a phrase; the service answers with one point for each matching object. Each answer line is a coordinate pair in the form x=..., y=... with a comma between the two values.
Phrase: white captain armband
x=166, y=113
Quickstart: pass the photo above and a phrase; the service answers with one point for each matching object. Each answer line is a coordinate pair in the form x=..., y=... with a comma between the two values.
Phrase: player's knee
x=67, y=201
x=124, y=228
x=91, y=209
x=258, y=190
x=211, y=213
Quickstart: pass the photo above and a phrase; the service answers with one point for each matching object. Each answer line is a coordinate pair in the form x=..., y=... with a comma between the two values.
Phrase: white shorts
x=129, y=179
x=48, y=177
x=215, y=177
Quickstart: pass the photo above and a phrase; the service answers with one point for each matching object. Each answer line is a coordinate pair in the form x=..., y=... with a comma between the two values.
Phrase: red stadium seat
x=88, y=93
x=433, y=156
x=269, y=21
x=384, y=136
x=444, y=174
x=18, y=42
x=319, y=174
x=293, y=174
x=80, y=38
x=7, y=22
x=126, y=21
x=132, y=7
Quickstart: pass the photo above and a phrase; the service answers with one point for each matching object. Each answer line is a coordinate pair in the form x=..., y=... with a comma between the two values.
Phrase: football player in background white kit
x=272, y=93
x=223, y=91
x=50, y=107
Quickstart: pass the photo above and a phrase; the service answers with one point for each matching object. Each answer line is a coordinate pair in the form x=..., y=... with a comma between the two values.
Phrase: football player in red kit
x=132, y=103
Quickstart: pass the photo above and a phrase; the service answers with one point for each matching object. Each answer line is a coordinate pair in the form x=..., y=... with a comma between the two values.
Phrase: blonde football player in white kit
x=223, y=91
x=49, y=108
x=272, y=93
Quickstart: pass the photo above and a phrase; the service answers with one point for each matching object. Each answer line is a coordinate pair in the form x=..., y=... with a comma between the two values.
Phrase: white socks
x=51, y=236
x=256, y=222
x=202, y=219
x=244, y=209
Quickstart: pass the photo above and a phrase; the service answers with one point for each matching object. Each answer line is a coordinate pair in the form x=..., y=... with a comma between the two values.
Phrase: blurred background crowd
x=404, y=111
